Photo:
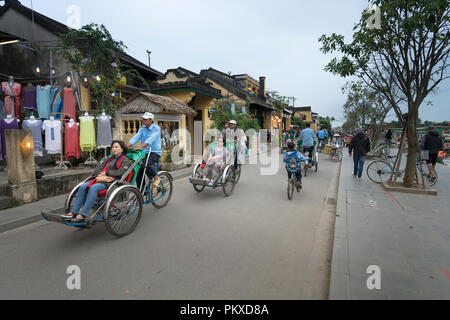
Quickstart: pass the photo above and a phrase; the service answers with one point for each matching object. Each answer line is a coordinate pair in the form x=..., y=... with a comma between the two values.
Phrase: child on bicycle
x=292, y=155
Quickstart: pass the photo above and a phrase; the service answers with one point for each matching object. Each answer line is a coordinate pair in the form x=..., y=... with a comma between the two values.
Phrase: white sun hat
x=233, y=122
x=148, y=115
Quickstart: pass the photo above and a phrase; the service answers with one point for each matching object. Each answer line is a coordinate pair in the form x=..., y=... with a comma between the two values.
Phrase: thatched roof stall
x=147, y=102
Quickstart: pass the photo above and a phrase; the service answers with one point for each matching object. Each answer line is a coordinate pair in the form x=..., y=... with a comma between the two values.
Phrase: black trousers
x=150, y=170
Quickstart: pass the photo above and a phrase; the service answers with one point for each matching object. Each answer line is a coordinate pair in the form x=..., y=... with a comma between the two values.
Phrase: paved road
x=253, y=245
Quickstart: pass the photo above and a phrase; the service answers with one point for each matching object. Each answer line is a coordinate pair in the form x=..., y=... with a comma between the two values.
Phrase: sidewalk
x=31, y=212
x=406, y=235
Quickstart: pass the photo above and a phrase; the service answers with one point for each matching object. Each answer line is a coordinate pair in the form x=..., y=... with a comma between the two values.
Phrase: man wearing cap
x=360, y=146
x=150, y=137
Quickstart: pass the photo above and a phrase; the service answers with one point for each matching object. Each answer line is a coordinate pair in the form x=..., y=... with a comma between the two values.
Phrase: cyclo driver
x=150, y=136
x=308, y=140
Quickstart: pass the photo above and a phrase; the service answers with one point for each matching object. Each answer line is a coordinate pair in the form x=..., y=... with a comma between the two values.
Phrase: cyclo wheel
x=305, y=170
x=198, y=174
x=379, y=171
x=161, y=195
x=238, y=173
x=123, y=210
x=290, y=189
x=229, y=180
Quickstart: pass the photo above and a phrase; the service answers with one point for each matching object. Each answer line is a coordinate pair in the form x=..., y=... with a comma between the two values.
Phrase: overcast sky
x=276, y=39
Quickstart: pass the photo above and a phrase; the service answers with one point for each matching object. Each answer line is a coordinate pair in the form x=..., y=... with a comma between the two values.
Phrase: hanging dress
x=104, y=134
x=52, y=136
x=72, y=141
x=12, y=100
x=29, y=101
x=5, y=126
x=43, y=101
x=36, y=127
x=70, y=105
x=87, y=134
x=2, y=113
x=56, y=103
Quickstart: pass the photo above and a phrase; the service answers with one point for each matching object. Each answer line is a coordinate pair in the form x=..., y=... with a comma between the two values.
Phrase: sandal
x=78, y=220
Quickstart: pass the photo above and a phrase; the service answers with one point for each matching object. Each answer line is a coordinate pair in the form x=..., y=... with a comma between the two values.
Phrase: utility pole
x=149, y=53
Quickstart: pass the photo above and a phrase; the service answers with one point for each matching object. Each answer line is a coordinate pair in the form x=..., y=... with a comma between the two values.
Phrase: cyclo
x=228, y=174
x=120, y=206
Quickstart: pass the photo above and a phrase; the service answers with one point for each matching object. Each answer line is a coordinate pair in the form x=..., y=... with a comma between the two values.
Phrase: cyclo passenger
x=150, y=137
x=114, y=169
x=215, y=158
x=293, y=155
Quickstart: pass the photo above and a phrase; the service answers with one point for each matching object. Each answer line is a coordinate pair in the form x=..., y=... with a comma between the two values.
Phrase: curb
x=36, y=218
x=319, y=268
x=340, y=274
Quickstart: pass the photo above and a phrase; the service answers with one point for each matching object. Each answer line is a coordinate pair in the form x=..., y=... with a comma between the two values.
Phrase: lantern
x=26, y=146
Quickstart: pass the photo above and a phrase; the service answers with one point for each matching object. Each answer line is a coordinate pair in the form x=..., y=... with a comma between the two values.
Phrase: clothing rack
x=61, y=164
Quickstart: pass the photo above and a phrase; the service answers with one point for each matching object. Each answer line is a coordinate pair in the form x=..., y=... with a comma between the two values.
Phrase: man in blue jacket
x=308, y=137
x=150, y=137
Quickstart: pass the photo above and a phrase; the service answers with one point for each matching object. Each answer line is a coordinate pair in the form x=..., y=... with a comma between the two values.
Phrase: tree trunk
x=410, y=170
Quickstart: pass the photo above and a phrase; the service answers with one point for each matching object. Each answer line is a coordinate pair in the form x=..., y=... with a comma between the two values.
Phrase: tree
x=298, y=122
x=365, y=107
x=222, y=113
x=404, y=59
x=325, y=123
x=93, y=50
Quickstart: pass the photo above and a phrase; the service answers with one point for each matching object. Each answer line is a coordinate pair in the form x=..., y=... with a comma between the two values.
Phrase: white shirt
x=52, y=136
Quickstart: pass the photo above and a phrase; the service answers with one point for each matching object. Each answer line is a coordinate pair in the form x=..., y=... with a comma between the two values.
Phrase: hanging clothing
x=36, y=127
x=70, y=105
x=4, y=125
x=52, y=136
x=2, y=114
x=72, y=141
x=12, y=98
x=104, y=134
x=43, y=97
x=29, y=98
x=87, y=134
x=56, y=103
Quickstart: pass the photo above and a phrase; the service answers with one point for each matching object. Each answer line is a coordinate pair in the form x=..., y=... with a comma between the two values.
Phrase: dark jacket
x=389, y=135
x=359, y=145
x=111, y=172
x=432, y=142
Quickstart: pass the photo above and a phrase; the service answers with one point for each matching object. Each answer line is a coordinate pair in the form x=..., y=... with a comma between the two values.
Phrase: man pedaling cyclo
x=150, y=137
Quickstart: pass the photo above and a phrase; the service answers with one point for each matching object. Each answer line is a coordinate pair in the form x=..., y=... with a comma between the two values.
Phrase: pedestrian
x=388, y=138
x=433, y=143
x=360, y=146
x=224, y=130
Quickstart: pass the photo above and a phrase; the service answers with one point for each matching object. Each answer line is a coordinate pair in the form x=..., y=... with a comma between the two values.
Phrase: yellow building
x=306, y=115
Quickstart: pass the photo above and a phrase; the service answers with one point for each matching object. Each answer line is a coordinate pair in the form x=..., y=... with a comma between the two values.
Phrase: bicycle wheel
x=427, y=178
x=290, y=189
x=198, y=175
x=238, y=174
x=229, y=181
x=160, y=195
x=123, y=211
x=379, y=171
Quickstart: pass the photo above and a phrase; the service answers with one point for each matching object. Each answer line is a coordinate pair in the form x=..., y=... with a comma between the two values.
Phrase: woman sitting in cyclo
x=114, y=169
x=214, y=159
x=293, y=155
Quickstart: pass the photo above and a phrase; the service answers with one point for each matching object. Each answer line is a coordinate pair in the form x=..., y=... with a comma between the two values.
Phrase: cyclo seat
x=129, y=179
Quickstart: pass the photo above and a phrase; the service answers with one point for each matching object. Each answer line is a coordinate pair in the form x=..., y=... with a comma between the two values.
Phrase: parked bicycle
x=381, y=170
